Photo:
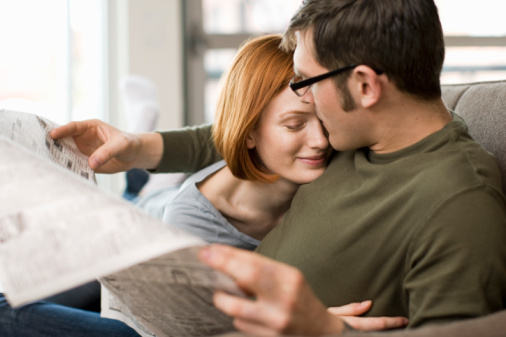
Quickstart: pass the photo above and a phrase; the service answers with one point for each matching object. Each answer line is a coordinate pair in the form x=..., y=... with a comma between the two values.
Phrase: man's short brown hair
x=403, y=38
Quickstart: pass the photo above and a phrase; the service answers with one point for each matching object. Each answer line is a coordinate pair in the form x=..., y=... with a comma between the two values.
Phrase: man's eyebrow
x=299, y=73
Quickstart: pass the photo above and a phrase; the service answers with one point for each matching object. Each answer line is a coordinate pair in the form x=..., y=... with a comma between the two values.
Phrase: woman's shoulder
x=203, y=174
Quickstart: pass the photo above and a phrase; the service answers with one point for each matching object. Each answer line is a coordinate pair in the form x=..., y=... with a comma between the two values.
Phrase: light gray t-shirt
x=191, y=211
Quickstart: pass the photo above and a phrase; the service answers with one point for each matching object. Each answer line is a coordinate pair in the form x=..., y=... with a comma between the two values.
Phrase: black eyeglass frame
x=312, y=80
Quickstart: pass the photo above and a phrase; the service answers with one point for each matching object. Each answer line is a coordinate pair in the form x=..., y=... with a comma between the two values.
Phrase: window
x=475, y=40
x=247, y=16
x=214, y=31
x=53, y=58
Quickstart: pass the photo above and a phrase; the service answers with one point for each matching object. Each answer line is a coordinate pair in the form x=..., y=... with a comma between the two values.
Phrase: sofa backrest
x=483, y=106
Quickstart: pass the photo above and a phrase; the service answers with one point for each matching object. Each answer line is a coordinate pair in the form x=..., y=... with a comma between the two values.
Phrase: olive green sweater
x=421, y=232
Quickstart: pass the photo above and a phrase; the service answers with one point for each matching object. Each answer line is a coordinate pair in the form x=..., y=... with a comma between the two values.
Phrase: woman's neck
x=254, y=208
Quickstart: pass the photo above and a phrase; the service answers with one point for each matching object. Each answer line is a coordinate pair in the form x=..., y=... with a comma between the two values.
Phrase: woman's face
x=290, y=140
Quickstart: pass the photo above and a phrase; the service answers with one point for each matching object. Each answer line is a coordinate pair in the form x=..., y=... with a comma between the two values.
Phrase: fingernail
x=220, y=300
x=365, y=303
x=205, y=254
x=94, y=163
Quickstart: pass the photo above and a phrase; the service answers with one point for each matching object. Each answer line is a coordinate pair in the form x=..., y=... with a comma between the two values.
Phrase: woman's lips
x=314, y=160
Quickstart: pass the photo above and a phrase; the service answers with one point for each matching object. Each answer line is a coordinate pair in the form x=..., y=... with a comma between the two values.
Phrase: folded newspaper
x=58, y=230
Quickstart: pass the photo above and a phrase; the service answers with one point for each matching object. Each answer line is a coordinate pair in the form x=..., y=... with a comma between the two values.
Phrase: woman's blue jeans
x=47, y=319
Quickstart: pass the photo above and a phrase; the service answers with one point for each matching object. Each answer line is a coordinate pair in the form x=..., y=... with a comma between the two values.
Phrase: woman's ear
x=250, y=141
x=369, y=85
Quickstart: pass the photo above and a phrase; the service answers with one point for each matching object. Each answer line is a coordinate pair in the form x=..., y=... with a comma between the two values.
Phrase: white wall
x=145, y=38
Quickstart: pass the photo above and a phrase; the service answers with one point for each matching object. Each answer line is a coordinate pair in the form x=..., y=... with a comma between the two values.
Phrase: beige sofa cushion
x=483, y=107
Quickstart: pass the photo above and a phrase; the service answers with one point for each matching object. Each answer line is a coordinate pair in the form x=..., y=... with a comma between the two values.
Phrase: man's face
x=346, y=128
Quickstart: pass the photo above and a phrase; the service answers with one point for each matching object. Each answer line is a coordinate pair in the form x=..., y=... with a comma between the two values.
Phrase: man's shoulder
x=465, y=162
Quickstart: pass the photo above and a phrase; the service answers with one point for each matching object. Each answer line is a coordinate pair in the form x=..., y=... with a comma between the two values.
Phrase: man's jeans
x=46, y=319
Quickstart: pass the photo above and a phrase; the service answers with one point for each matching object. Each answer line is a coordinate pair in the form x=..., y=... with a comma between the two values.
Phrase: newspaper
x=58, y=230
x=153, y=296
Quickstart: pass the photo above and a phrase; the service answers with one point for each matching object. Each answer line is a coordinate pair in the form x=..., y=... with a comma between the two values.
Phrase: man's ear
x=369, y=85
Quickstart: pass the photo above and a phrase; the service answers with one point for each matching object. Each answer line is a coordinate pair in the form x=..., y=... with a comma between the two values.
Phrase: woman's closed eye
x=294, y=126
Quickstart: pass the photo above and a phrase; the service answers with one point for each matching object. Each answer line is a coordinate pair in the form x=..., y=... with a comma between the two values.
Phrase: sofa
x=483, y=107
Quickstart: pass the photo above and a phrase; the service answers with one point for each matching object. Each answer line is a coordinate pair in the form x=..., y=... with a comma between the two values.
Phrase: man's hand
x=349, y=312
x=112, y=150
x=281, y=301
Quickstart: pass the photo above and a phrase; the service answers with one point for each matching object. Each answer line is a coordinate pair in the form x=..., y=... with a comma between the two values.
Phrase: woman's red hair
x=260, y=71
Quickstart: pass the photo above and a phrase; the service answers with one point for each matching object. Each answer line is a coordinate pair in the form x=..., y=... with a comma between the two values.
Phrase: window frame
x=197, y=42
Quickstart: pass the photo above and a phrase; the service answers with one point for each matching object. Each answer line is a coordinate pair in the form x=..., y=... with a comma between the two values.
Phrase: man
x=409, y=212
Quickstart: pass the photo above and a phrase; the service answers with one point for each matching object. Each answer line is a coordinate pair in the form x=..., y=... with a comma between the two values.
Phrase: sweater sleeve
x=187, y=150
x=456, y=266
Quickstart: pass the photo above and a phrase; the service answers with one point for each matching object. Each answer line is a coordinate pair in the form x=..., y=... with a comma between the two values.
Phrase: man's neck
x=408, y=122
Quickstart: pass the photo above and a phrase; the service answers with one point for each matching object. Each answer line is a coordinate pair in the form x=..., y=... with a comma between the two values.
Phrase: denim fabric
x=135, y=181
x=86, y=297
x=46, y=319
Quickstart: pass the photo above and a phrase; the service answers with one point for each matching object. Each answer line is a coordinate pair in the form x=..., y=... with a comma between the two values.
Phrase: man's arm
x=188, y=150
x=112, y=150
x=280, y=300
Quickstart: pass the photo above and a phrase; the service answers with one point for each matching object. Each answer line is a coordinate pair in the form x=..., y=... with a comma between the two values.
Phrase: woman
x=271, y=143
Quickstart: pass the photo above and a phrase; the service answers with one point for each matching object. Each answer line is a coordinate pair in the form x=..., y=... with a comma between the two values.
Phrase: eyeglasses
x=301, y=87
